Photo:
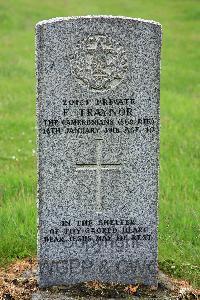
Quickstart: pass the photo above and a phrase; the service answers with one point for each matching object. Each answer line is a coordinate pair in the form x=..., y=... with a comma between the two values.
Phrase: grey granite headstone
x=98, y=146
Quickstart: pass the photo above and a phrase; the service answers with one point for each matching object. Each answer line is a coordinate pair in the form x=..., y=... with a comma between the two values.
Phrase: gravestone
x=98, y=147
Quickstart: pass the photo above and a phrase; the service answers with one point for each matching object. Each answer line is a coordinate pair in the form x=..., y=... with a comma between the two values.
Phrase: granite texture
x=98, y=149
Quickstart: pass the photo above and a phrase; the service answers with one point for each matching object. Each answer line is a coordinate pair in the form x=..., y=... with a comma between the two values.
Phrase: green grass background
x=179, y=197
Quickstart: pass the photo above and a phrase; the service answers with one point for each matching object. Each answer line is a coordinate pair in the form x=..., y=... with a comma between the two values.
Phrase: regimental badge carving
x=100, y=63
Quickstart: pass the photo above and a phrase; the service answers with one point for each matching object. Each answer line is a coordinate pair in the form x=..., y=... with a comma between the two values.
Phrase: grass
x=179, y=196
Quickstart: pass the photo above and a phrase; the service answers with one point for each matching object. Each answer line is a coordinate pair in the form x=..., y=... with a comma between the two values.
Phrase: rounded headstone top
x=105, y=17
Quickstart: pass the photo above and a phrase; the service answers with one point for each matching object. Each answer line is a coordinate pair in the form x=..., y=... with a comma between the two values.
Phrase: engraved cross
x=98, y=167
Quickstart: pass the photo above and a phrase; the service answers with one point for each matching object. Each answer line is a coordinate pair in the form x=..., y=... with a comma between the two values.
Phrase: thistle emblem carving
x=99, y=63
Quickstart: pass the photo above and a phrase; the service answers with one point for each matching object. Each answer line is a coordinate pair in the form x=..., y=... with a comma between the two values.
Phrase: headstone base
x=46, y=295
x=41, y=295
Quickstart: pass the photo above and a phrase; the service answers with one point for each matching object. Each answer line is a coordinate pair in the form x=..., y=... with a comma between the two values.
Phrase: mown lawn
x=179, y=248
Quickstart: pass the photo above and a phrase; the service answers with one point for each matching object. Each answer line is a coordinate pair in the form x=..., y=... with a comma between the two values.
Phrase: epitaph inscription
x=98, y=147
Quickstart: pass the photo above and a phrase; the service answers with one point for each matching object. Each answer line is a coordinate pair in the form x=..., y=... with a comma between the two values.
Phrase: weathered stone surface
x=50, y=296
x=98, y=146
